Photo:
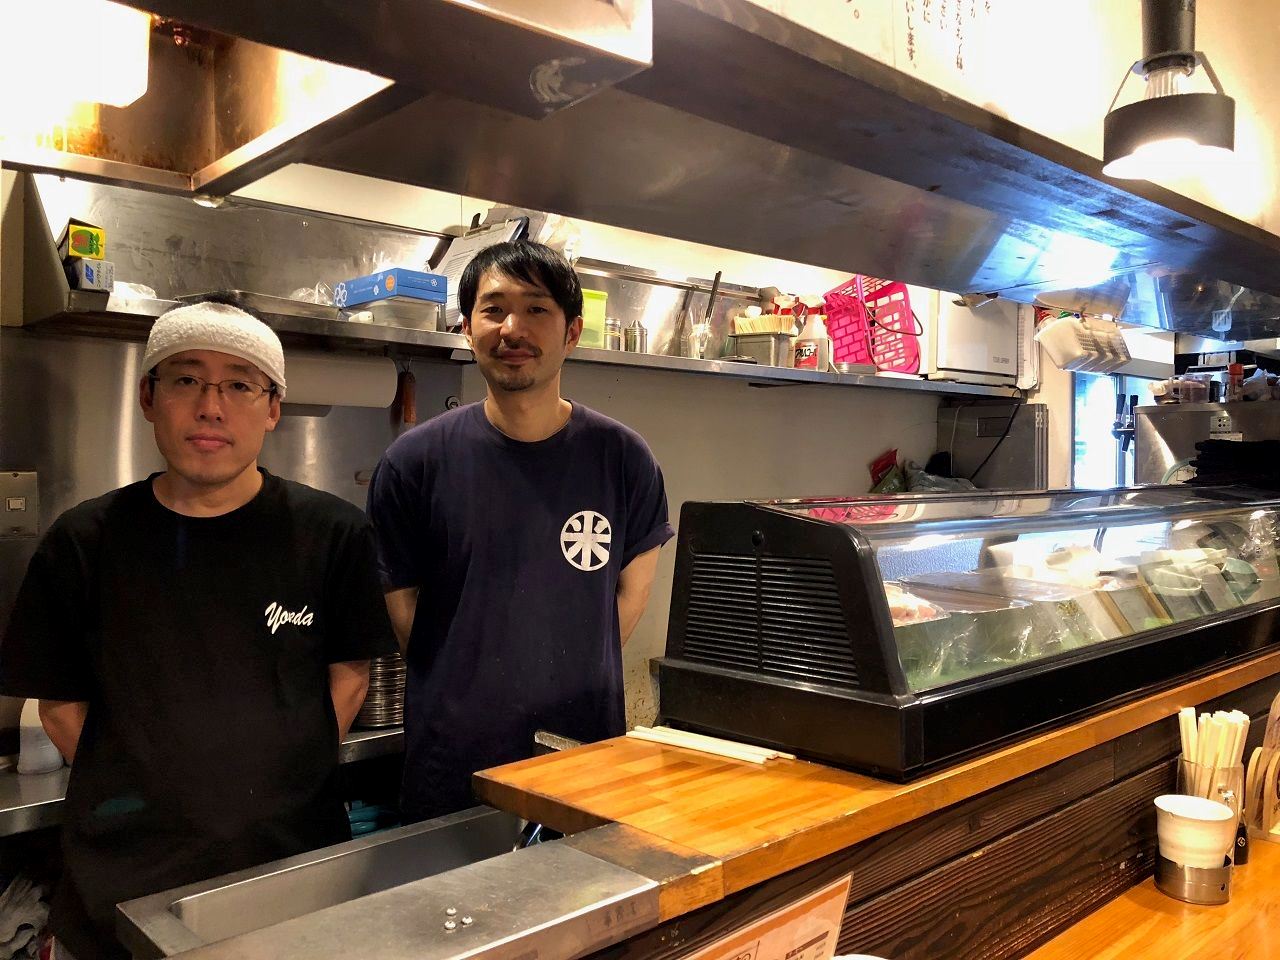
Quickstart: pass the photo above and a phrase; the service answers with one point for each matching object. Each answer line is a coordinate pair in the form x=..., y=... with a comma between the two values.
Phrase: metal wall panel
x=69, y=410
x=179, y=248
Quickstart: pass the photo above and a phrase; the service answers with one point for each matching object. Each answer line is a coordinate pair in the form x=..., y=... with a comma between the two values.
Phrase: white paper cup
x=1194, y=832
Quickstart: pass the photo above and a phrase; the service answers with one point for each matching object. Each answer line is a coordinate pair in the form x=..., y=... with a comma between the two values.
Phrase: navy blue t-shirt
x=516, y=549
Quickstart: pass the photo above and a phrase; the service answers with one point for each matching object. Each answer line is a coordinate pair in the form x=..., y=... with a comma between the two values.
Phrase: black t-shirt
x=202, y=646
x=516, y=549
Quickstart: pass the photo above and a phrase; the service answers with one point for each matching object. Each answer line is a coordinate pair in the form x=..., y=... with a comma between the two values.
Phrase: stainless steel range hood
x=531, y=57
x=238, y=89
x=751, y=133
x=219, y=112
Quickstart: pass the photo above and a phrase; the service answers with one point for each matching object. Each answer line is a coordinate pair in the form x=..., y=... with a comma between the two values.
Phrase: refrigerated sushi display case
x=897, y=635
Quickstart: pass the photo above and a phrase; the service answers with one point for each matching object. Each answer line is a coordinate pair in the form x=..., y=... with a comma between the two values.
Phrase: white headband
x=220, y=327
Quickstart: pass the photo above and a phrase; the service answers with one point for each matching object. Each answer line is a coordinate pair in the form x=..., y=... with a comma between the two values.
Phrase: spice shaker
x=636, y=337
x=612, y=333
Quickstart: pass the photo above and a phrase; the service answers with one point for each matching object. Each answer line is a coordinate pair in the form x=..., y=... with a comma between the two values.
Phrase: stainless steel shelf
x=364, y=744
x=32, y=801
x=780, y=376
x=1169, y=409
x=95, y=314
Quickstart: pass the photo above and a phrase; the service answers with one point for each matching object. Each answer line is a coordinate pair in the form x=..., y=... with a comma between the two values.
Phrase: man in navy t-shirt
x=518, y=540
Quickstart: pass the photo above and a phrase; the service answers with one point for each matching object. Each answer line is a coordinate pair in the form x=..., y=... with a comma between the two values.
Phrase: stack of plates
x=384, y=703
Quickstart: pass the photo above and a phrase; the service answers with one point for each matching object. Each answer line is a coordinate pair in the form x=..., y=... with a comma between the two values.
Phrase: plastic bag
x=882, y=464
x=891, y=482
x=919, y=480
x=132, y=291
x=321, y=293
x=1256, y=387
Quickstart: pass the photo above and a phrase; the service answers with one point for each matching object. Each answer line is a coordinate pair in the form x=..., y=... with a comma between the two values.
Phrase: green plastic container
x=593, y=311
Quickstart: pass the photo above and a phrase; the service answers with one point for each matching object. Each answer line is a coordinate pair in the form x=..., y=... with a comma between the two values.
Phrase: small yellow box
x=80, y=239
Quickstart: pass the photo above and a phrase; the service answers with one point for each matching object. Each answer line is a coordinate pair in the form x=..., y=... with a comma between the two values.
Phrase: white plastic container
x=813, y=346
x=1084, y=345
x=1061, y=339
x=37, y=754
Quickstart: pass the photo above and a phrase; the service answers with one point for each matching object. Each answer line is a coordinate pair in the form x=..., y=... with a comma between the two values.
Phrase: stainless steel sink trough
x=203, y=913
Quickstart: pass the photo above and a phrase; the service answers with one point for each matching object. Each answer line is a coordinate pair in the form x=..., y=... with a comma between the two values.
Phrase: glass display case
x=899, y=634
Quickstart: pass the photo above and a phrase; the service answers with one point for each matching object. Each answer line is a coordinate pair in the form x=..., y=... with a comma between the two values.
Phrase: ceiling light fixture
x=1170, y=130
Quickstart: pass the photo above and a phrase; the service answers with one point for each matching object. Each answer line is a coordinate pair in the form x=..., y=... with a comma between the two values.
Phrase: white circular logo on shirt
x=585, y=540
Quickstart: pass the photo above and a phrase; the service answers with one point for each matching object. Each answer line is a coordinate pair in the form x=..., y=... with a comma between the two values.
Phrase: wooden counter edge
x=904, y=803
x=984, y=773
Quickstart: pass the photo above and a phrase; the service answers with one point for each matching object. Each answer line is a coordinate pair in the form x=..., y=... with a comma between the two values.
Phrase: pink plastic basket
x=891, y=343
x=854, y=514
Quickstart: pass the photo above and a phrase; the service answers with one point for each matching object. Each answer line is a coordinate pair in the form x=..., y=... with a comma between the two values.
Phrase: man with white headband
x=199, y=641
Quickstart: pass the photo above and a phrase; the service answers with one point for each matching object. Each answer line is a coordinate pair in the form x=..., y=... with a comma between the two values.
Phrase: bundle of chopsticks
x=1213, y=742
x=696, y=741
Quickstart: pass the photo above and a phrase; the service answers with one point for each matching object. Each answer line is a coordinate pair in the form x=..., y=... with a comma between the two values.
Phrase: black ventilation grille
x=722, y=612
x=775, y=615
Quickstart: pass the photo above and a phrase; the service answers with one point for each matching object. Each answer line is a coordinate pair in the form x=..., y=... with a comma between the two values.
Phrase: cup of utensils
x=1201, y=828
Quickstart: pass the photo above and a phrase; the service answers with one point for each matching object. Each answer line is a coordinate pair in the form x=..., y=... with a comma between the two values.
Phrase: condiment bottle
x=612, y=333
x=1235, y=382
x=635, y=338
x=813, y=346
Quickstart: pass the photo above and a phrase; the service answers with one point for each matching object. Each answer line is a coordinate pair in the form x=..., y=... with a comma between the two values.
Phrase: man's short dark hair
x=530, y=262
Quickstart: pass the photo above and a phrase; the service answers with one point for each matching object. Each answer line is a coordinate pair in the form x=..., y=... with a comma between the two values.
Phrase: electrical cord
x=955, y=422
x=1003, y=436
x=870, y=311
x=871, y=315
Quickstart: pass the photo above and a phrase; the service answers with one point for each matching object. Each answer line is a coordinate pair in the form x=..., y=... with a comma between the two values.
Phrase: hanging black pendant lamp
x=1168, y=131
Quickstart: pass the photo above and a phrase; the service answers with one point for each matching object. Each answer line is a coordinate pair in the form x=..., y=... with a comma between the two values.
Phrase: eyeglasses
x=183, y=386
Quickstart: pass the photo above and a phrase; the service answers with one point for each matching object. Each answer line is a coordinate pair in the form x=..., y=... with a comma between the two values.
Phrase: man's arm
x=401, y=605
x=634, y=584
x=348, y=683
x=63, y=721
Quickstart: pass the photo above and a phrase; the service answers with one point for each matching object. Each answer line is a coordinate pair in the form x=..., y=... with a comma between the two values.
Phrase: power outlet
x=1221, y=427
x=19, y=504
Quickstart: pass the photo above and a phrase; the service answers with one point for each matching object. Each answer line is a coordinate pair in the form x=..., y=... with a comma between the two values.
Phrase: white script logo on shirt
x=585, y=540
x=277, y=616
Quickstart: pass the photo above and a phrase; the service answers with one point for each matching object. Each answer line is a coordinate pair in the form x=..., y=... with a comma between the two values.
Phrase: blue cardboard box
x=396, y=282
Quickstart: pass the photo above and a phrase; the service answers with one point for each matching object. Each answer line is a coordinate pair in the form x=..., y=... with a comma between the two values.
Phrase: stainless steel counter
x=30, y=802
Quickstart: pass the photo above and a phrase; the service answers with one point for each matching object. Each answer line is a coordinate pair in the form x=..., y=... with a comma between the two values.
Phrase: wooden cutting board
x=744, y=823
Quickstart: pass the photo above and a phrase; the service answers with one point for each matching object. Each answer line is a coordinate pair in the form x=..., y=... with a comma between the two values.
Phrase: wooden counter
x=710, y=829
x=1144, y=924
